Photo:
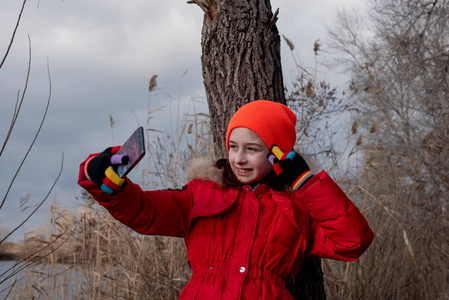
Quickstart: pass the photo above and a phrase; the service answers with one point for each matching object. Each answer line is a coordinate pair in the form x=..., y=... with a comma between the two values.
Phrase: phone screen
x=134, y=147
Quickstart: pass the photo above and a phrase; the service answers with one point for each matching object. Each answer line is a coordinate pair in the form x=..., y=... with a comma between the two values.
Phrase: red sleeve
x=147, y=212
x=338, y=229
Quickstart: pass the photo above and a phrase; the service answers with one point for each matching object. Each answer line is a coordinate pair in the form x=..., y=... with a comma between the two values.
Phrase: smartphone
x=134, y=147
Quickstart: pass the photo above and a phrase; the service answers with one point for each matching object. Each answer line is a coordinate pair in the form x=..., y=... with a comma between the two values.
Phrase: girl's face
x=248, y=156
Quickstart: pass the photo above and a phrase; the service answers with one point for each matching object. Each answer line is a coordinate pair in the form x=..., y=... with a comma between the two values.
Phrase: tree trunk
x=241, y=62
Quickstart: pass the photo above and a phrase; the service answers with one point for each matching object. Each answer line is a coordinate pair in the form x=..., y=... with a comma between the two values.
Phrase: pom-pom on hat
x=273, y=122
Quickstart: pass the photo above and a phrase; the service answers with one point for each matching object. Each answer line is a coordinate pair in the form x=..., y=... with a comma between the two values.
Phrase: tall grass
x=409, y=256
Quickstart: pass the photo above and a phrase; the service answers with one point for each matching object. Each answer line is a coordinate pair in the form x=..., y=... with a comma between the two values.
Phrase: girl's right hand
x=100, y=169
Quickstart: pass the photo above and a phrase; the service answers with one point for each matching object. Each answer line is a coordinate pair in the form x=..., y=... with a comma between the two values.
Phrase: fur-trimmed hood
x=204, y=168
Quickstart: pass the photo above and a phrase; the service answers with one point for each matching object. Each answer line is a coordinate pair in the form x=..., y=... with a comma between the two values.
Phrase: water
x=39, y=281
x=4, y=273
x=48, y=281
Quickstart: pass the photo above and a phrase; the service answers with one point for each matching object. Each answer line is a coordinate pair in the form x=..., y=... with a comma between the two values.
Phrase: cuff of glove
x=301, y=180
x=111, y=191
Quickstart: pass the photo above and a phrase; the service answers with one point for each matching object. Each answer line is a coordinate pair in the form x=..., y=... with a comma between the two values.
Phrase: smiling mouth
x=244, y=170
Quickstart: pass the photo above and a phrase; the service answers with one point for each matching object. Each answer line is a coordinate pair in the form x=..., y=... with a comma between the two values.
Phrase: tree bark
x=241, y=62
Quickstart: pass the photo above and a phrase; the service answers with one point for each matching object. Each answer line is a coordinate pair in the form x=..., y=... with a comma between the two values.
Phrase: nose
x=241, y=157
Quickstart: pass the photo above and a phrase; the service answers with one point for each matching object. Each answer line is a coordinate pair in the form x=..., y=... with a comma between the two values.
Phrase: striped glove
x=100, y=169
x=291, y=168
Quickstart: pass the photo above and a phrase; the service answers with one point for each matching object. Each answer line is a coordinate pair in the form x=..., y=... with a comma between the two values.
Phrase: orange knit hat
x=273, y=122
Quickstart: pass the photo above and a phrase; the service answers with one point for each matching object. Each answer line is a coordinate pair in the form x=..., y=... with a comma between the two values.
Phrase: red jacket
x=244, y=244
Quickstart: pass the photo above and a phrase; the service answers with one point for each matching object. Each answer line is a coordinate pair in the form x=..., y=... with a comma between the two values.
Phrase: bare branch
x=13, y=34
x=34, y=140
x=19, y=101
x=40, y=204
x=209, y=7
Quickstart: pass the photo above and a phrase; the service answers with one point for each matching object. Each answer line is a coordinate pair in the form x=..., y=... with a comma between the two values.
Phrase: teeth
x=243, y=171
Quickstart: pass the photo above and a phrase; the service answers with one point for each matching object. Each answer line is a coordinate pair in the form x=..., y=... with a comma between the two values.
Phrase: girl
x=248, y=220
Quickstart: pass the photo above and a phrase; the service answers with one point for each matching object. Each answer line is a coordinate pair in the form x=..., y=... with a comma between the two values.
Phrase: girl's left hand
x=291, y=168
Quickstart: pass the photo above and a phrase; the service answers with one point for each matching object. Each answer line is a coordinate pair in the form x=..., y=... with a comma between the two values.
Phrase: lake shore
x=9, y=251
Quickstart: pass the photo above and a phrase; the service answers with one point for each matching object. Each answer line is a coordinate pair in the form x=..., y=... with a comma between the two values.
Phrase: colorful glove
x=100, y=170
x=291, y=168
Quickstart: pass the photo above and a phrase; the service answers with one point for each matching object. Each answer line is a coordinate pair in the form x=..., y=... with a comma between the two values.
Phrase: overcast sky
x=101, y=55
